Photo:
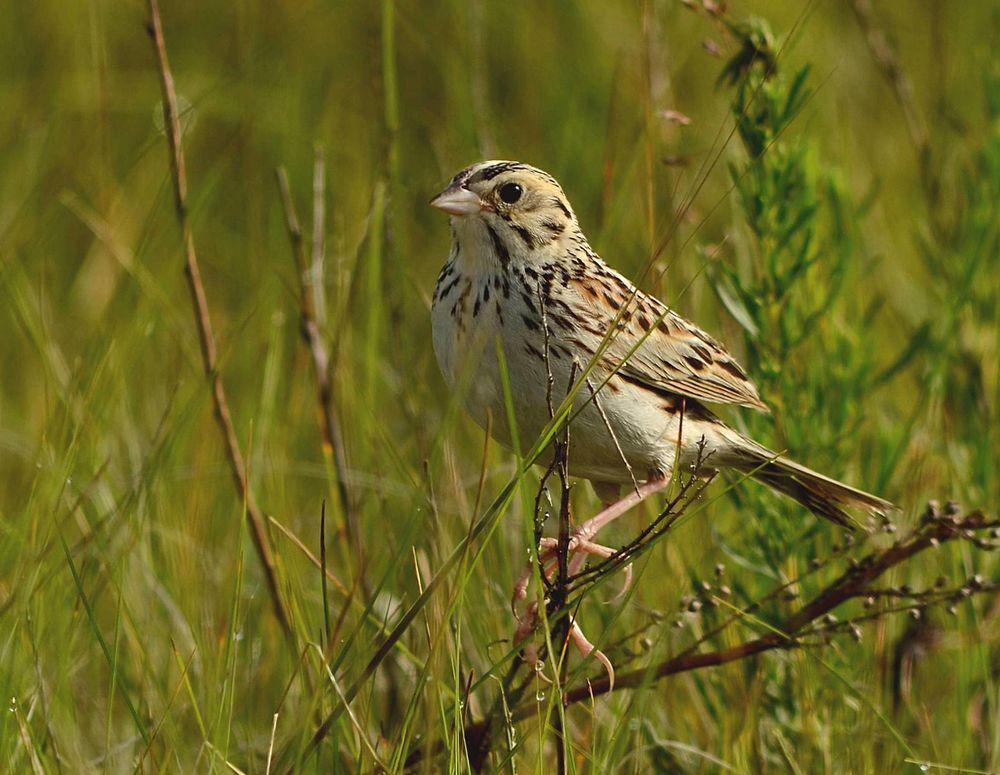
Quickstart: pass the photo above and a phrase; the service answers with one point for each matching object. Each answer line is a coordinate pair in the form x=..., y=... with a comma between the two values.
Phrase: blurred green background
x=127, y=579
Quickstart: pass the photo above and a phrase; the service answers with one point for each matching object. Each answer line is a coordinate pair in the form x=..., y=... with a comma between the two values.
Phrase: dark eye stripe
x=461, y=176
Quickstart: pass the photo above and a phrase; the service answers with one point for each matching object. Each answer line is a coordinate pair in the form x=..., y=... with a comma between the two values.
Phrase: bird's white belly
x=626, y=423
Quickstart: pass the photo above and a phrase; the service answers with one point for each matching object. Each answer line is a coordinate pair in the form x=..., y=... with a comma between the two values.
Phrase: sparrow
x=521, y=274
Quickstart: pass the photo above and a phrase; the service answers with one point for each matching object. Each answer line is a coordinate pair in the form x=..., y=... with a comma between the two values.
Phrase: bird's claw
x=579, y=547
x=586, y=649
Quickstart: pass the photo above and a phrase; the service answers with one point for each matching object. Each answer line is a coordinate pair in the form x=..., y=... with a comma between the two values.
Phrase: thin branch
x=853, y=583
x=559, y=630
x=333, y=441
x=206, y=335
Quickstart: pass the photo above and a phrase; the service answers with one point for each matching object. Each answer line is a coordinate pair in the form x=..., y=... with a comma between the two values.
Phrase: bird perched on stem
x=521, y=272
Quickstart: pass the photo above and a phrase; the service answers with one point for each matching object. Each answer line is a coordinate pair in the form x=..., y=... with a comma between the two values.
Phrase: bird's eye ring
x=510, y=192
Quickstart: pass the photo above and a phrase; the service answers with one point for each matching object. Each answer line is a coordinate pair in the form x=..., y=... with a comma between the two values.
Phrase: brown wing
x=659, y=348
x=681, y=358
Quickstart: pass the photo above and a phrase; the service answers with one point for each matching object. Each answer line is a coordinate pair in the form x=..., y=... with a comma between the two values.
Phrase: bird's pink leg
x=580, y=545
x=589, y=529
x=586, y=531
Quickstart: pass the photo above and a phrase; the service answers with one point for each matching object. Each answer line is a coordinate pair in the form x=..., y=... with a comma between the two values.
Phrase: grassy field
x=834, y=218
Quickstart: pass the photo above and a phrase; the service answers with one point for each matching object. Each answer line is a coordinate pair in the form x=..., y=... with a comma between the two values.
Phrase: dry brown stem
x=854, y=582
x=333, y=442
x=203, y=320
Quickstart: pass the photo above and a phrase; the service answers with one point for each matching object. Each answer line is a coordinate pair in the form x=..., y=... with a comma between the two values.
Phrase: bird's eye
x=511, y=192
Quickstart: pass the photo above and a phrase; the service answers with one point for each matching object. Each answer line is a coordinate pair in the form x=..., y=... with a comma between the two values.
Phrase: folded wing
x=658, y=348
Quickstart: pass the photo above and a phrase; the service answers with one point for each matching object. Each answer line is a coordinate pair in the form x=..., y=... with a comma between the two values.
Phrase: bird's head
x=506, y=212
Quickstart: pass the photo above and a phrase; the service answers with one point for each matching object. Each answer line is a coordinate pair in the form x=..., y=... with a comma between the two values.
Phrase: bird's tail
x=820, y=494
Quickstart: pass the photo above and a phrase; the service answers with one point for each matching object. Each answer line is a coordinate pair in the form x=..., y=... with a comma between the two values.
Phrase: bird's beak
x=458, y=200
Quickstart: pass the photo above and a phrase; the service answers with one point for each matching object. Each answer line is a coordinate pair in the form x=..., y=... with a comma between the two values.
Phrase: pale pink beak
x=456, y=200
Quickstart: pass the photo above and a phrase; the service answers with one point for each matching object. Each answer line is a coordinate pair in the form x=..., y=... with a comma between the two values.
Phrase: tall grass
x=852, y=269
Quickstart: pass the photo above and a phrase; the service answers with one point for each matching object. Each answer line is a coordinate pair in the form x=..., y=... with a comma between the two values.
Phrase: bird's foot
x=526, y=626
x=579, y=547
